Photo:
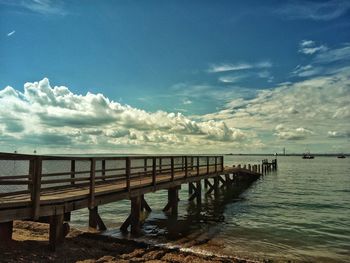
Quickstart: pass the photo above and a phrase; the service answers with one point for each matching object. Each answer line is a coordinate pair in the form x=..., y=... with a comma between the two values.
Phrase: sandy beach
x=30, y=244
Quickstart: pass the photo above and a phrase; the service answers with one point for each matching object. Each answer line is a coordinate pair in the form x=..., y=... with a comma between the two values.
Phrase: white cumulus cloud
x=64, y=119
x=309, y=47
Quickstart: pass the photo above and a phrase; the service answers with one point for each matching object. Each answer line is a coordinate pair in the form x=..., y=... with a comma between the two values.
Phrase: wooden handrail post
x=197, y=165
x=36, y=188
x=186, y=167
x=216, y=163
x=92, y=183
x=72, y=171
x=127, y=173
x=145, y=165
x=160, y=165
x=172, y=168
x=222, y=163
x=31, y=175
x=154, y=171
x=207, y=164
x=103, y=170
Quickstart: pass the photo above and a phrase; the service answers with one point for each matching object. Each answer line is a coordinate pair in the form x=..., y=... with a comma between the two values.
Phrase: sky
x=185, y=77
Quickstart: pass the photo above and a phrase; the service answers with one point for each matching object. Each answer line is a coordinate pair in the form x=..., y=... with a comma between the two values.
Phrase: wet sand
x=30, y=244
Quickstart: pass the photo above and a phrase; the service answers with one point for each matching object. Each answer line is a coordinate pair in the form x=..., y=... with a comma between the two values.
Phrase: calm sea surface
x=299, y=213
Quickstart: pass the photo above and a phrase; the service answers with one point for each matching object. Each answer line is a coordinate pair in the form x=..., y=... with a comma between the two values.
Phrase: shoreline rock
x=30, y=244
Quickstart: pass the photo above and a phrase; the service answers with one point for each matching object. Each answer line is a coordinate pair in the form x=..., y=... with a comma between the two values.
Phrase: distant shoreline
x=281, y=155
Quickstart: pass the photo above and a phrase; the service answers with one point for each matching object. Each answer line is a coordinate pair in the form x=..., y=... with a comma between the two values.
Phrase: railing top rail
x=16, y=156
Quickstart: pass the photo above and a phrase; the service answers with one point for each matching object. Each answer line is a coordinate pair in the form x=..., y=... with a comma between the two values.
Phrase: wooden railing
x=46, y=173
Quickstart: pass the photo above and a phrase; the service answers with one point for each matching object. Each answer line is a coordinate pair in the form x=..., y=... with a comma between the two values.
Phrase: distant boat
x=308, y=156
x=341, y=156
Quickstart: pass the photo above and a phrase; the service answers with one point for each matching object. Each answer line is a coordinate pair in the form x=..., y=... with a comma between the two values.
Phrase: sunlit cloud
x=309, y=47
x=333, y=55
x=11, y=33
x=216, y=68
x=338, y=134
x=304, y=110
x=306, y=71
x=287, y=133
x=55, y=117
x=313, y=10
x=44, y=7
x=229, y=67
x=231, y=79
x=187, y=102
x=321, y=62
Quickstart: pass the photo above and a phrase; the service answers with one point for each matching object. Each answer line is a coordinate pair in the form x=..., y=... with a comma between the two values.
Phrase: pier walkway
x=48, y=188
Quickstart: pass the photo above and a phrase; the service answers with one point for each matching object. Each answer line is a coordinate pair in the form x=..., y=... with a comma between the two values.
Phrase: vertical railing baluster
x=103, y=170
x=92, y=183
x=145, y=165
x=127, y=173
x=172, y=168
x=197, y=165
x=207, y=164
x=72, y=171
x=35, y=194
x=160, y=165
x=216, y=163
x=154, y=171
x=186, y=167
x=31, y=176
x=222, y=163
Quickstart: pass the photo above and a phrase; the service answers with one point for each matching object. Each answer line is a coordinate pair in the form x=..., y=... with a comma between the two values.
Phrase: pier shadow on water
x=199, y=222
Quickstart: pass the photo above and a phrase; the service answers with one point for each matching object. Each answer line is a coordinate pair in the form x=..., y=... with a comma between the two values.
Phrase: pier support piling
x=216, y=186
x=144, y=205
x=67, y=216
x=173, y=199
x=58, y=230
x=197, y=192
x=206, y=183
x=227, y=179
x=6, y=230
x=134, y=218
x=95, y=221
x=223, y=183
x=191, y=188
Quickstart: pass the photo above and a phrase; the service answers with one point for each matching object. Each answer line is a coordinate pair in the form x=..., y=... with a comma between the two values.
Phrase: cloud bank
x=46, y=116
x=310, y=112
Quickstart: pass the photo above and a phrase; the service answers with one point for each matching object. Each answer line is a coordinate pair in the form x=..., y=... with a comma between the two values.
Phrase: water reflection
x=198, y=219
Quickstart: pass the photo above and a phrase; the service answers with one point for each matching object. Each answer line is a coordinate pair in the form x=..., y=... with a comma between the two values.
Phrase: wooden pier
x=268, y=166
x=49, y=188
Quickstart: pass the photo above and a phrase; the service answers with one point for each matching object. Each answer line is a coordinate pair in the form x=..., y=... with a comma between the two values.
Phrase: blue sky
x=231, y=70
